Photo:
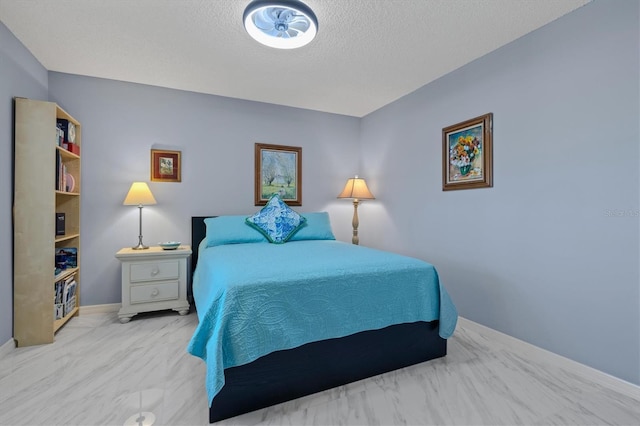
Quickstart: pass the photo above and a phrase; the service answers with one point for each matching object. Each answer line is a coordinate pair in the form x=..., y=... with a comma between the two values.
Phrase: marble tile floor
x=101, y=372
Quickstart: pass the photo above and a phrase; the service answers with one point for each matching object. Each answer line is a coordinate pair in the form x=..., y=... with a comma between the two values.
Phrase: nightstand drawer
x=154, y=271
x=154, y=292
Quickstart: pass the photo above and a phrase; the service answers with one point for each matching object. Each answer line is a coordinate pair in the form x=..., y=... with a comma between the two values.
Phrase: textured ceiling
x=367, y=53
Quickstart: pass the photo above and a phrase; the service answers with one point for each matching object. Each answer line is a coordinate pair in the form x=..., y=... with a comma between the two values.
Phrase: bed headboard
x=198, y=232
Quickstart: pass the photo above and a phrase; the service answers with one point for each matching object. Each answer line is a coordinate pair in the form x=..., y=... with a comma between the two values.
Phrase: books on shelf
x=64, y=180
x=62, y=139
x=61, y=173
x=64, y=296
x=59, y=135
x=65, y=258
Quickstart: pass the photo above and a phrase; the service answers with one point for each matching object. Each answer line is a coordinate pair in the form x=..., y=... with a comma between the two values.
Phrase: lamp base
x=355, y=240
x=140, y=246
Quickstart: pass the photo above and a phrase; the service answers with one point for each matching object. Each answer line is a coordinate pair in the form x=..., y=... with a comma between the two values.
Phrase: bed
x=267, y=341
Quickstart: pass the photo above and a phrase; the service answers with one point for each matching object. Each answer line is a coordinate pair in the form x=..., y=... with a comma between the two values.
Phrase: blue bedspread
x=254, y=299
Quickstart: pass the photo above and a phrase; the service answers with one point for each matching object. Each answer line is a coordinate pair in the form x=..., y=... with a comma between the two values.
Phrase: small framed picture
x=165, y=166
x=278, y=171
x=467, y=154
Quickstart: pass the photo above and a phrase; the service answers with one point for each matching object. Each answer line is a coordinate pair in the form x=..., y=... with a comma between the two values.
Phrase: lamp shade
x=139, y=195
x=356, y=188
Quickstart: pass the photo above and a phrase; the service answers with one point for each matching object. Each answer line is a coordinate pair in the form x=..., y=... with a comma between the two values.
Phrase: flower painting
x=467, y=154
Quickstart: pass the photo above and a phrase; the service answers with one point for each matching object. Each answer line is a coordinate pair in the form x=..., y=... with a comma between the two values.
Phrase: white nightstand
x=153, y=280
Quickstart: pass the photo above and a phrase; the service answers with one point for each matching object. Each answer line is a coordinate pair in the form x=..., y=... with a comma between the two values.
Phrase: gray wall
x=550, y=253
x=121, y=122
x=20, y=75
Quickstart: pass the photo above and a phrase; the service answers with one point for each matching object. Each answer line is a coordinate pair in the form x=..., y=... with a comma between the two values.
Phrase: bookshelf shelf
x=68, y=237
x=67, y=154
x=41, y=169
x=66, y=273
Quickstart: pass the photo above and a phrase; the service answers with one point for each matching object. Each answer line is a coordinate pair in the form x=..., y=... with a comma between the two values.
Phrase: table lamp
x=139, y=195
x=356, y=188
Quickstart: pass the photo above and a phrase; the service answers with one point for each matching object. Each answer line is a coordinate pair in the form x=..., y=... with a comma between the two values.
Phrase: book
x=69, y=295
x=74, y=148
x=58, y=291
x=60, y=228
x=59, y=287
x=64, y=296
x=69, y=290
x=66, y=257
x=59, y=134
x=58, y=165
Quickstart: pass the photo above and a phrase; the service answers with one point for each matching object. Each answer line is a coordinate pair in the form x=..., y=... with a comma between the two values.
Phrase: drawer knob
x=155, y=271
x=155, y=292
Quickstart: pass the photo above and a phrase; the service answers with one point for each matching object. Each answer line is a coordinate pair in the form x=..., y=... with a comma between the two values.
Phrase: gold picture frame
x=467, y=154
x=278, y=170
x=166, y=166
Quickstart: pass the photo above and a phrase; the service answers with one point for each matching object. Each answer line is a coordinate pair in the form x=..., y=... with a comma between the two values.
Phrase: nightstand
x=153, y=280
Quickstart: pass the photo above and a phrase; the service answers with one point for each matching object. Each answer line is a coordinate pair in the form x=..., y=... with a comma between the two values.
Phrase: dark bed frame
x=289, y=374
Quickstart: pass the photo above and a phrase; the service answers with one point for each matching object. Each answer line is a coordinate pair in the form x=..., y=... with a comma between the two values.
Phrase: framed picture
x=467, y=154
x=278, y=171
x=165, y=166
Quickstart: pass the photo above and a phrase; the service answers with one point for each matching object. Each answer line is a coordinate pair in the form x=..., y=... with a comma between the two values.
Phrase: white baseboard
x=99, y=309
x=597, y=376
x=7, y=347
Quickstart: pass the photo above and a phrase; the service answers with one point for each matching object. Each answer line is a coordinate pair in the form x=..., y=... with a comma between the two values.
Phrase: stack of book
x=61, y=174
x=59, y=135
x=64, y=296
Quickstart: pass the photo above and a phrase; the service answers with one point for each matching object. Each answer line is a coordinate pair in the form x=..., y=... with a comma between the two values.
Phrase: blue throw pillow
x=277, y=221
x=317, y=227
x=230, y=230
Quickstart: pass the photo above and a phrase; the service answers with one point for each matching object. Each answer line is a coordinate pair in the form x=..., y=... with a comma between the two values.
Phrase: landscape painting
x=278, y=170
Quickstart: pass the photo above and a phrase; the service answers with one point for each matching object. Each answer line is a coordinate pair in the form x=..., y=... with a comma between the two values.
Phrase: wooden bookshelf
x=36, y=202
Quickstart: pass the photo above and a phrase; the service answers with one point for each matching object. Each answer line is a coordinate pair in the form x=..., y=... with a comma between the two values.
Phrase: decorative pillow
x=317, y=227
x=276, y=220
x=230, y=230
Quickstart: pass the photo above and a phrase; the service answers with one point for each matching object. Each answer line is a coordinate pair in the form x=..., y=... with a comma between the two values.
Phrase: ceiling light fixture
x=283, y=24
